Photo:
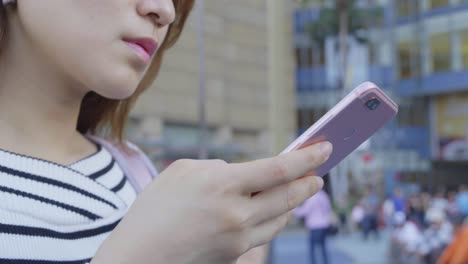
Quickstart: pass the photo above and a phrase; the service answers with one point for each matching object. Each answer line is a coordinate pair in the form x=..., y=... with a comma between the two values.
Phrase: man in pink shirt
x=316, y=212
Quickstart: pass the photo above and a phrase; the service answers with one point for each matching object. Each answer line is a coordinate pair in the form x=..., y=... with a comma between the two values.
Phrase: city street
x=291, y=248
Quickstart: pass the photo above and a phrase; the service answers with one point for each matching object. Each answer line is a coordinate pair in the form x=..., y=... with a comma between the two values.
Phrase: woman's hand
x=258, y=255
x=208, y=211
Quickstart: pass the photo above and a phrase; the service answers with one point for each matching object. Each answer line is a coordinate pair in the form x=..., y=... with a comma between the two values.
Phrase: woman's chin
x=119, y=84
x=117, y=92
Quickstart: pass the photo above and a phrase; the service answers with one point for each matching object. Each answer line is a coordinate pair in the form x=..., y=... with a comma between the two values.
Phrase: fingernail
x=326, y=148
x=319, y=182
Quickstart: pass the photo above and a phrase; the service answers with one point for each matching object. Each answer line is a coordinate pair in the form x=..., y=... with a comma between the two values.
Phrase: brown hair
x=98, y=112
x=3, y=24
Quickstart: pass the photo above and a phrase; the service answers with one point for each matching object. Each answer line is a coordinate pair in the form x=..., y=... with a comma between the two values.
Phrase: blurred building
x=419, y=55
x=249, y=65
x=432, y=53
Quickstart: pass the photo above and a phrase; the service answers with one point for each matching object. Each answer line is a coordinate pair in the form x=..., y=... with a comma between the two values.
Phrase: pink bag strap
x=137, y=167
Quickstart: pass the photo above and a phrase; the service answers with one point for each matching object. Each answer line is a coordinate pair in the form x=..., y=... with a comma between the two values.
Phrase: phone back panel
x=349, y=124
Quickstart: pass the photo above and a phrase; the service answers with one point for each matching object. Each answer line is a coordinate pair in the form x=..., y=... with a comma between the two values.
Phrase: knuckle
x=293, y=197
x=315, y=156
x=216, y=171
x=219, y=162
x=235, y=220
x=313, y=159
x=313, y=187
x=183, y=163
x=280, y=170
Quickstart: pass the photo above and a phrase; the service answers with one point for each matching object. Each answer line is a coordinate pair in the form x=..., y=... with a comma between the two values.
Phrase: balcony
x=445, y=10
x=404, y=138
x=313, y=90
x=303, y=17
x=413, y=138
x=434, y=84
x=311, y=79
x=381, y=75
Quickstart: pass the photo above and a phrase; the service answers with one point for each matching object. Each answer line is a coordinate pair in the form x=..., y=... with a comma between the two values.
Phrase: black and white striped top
x=51, y=213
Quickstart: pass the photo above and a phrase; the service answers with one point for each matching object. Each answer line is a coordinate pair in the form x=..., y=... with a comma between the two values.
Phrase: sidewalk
x=291, y=247
x=372, y=251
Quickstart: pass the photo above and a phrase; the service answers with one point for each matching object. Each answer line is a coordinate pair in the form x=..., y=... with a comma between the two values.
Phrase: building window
x=298, y=54
x=373, y=53
x=438, y=3
x=413, y=114
x=409, y=59
x=406, y=8
x=321, y=56
x=464, y=47
x=440, y=46
x=303, y=118
x=316, y=56
x=309, y=57
x=307, y=117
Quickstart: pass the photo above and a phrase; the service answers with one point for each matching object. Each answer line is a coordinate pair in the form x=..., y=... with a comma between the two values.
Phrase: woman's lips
x=143, y=47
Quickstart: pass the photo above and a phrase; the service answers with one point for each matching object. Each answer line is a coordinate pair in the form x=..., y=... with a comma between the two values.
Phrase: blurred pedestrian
x=357, y=215
x=388, y=209
x=452, y=207
x=405, y=236
x=317, y=213
x=416, y=210
x=426, y=199
x=399, y=200
x=435, y=238
x=462, y=200
x=457, y=251
x=439, y=201
x=371, y=209
x=342, y=209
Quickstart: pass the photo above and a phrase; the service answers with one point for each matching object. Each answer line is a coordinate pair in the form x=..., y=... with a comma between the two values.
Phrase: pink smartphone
x=347, y=125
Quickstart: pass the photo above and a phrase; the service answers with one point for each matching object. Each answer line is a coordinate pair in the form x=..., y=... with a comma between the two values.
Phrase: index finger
x=265, y=174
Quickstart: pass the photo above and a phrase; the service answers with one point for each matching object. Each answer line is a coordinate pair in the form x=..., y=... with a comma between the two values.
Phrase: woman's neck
x=39, y=107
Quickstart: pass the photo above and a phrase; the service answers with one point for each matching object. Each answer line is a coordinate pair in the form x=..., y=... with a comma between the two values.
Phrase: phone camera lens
x=373, y=104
